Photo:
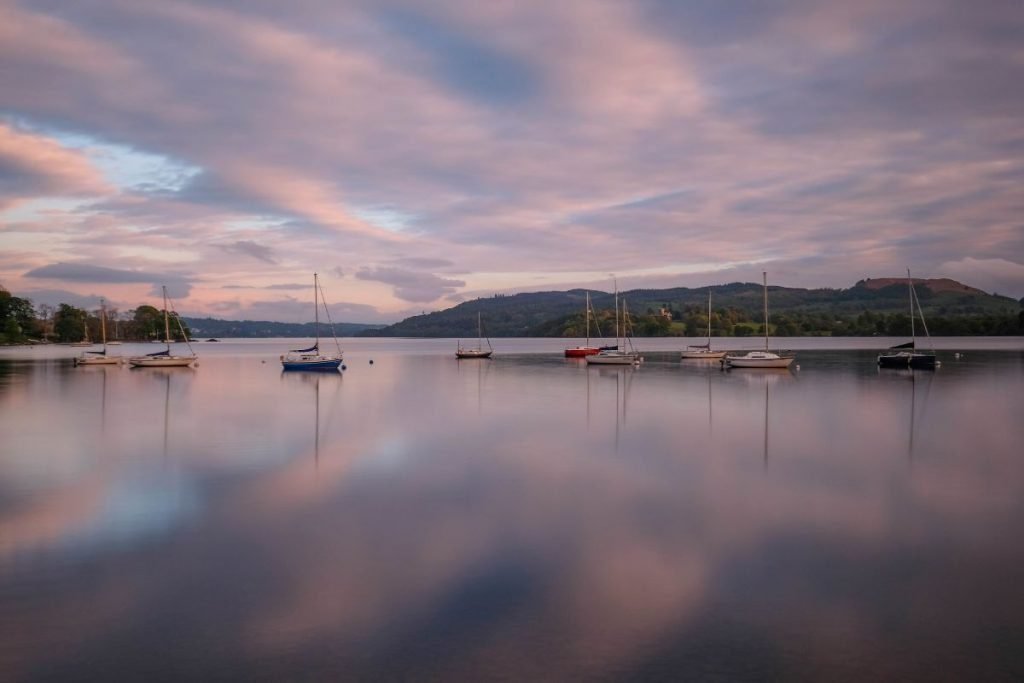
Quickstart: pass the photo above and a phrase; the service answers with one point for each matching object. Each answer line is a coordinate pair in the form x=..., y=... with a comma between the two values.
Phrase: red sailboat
x=588, y=350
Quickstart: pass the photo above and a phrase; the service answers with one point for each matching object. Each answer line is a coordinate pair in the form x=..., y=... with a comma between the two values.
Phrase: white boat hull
x=98, y=360
x=758, y=359
x=162, y=362
x=707, y=355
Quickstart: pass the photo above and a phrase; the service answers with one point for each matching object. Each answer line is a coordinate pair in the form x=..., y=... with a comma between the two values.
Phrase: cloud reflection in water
x=529, y=518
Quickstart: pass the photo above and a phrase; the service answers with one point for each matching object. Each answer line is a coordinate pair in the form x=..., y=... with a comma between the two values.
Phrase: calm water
x=524, y=518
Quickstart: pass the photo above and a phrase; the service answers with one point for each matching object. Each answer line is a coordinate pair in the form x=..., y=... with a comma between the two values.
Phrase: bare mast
x=764, y=275
x=167, y=325
x=587, y=313
x=618, y=345
x=910, y=291
x=316, y=311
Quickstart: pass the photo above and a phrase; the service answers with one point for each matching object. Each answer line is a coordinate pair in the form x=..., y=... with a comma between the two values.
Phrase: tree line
x=692, y=321
x=21, y=322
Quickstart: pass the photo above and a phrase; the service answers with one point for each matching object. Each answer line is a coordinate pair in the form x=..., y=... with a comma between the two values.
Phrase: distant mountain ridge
x=937, y=285
x=213, y=327
x=546, y=313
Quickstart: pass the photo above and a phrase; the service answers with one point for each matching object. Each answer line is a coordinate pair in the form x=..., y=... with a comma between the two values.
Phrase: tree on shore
x=17, y=319
x=69, y=323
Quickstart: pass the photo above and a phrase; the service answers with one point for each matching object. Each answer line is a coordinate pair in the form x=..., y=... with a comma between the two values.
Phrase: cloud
x=32, y=165
x=294, y=310
x=85, y=272
x=527, y=143
x=250, y=248
x=423, y=262
x=993, y=275
x=55, y=297
x=411, y=285
x=460, y=60
x=177, y=285
x=176, y=289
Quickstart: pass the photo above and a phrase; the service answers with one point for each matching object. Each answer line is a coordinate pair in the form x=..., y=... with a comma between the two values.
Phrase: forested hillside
x=212, y=327
x=869, y=307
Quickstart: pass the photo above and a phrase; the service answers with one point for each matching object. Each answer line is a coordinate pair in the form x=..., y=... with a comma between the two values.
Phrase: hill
x=936, y=285
x=212, y=327
x=558, y=313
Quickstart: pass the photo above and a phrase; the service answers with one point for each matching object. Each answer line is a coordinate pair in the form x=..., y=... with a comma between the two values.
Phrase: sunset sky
x=418, y=154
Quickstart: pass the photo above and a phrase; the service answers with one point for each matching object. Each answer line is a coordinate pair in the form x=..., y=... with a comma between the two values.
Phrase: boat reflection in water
x=311, y=382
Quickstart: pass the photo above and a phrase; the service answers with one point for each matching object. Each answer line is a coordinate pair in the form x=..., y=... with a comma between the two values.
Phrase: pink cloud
x=38, y=166
x=636, y=139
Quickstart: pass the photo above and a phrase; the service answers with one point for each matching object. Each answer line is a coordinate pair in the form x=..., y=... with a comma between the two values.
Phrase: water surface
x=521, y=518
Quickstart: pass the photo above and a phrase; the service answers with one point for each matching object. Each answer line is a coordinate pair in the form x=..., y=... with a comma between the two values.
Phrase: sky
x=417, y=154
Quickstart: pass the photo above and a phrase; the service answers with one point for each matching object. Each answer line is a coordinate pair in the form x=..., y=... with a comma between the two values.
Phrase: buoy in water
x=371, y=361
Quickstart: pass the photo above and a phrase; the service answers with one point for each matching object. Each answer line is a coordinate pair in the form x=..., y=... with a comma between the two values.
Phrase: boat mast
x=910, y=291
x=764, y=275
x=316, y=311
x=587, y=313
x=103, y=322
x=479, y=332
x=709, y=319
x=167, y=324
x=618, y=344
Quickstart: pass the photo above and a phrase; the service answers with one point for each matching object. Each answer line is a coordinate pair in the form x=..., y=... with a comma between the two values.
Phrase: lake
x=522, y=518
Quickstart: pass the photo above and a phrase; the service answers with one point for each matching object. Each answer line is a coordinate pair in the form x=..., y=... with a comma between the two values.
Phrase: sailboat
x=311, y=358
x=115, y=341
x=85, y=333
x=165, y=359
x=588, y=350
x=99, y=357
x=478, y=352
x=617, y=355
x=906, y=355
x=703, y=350
x=761, y=359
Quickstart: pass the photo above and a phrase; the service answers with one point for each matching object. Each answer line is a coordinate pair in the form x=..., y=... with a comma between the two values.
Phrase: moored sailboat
x=617, y=355
x=479, y=351
x=761, y=359
x=702, y=351
x=906, y=355
x=99, y=357
x=116, y=340
x=165, y=359
x=311, y=358
x=587, y=349
x=85, y=341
